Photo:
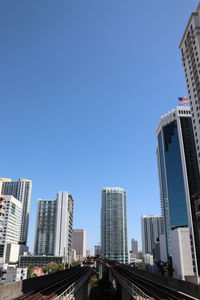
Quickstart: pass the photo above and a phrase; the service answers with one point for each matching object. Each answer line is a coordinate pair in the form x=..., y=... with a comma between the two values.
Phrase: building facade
x=178, y=175
x=134, y=246
x=114, y=225
x=10, y=227
x=45, y=227
x=152, y=227
x=64, y=225
x=79, y=243
x=54, y=226
x=190, y=51
x=21, y=190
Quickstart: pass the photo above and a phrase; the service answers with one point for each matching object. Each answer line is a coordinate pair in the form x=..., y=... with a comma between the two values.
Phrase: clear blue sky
x=83, y=85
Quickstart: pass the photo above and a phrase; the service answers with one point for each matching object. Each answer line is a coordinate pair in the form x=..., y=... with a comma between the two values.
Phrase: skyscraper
x=45, y=227
x=190, y=50
x=64, y=224
x=152, y=227
x=114, y=225
x=54, y=226
x=21, y=190
x=79, y=243
x=179, y=175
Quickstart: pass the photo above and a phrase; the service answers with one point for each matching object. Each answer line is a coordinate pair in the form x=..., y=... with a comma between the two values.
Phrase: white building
x=21, y=190
x=54, y=226
x=148, y=259
x=152, y=227
x=181, y=254
x=79, y=243
x=10, y=273
x=10, y=226
x=64, y=223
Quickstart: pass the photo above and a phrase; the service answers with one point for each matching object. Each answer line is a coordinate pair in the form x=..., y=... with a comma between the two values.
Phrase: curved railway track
x=153, y=289
x=55, y=289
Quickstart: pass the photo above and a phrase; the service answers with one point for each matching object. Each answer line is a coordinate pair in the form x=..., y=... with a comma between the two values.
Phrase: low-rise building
x=11, y=273
x=39, y=260
x=182, y=254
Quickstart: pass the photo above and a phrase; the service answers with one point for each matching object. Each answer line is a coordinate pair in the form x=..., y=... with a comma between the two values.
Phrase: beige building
x=79, y=243
x=190, y=51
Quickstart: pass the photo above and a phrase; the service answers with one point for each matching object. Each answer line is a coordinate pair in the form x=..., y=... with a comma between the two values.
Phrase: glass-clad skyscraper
x=179, y=175
x=114, y=225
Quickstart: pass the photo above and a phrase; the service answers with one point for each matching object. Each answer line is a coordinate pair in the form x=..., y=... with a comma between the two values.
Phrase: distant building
x=134, y=246
x=79, y=243
x=21, y=190
x=152, y=228
x=10, y=224
x=87, y=252
x=97, y=250
x=54, y=226
x=179, y=177
x=148, y=259
x=114, y=225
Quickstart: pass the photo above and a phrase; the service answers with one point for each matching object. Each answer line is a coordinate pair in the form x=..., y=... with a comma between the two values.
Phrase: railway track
x=153, y=289
x=55, y=289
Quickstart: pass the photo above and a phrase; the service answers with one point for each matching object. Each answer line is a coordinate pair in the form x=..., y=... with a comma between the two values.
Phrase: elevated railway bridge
x=73, y=284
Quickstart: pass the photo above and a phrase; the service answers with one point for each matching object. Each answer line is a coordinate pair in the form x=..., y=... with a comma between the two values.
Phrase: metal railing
x=69, y=293
x=131, y=288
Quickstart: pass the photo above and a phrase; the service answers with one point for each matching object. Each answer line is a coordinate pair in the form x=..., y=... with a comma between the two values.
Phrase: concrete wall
x=15, y=289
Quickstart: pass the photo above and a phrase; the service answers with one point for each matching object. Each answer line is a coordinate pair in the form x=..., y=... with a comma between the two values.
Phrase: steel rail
x=154, y=289
x=72, y=289
x=45, y=292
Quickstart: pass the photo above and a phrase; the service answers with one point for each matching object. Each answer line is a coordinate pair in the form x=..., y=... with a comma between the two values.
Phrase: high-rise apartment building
x=21, y=190
x=54, y=226
x=114, y=225
x=152, y=227
x=179, y=176
x=64, y=224
x=10, y=226
x=190, y=50
x=45, y=227
x=79, y=243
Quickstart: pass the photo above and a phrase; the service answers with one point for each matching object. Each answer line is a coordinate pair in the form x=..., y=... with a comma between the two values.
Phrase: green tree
x=30, y=271
x=51, y=268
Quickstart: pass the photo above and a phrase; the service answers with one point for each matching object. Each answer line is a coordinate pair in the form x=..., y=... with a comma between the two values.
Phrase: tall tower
x=21, y=190
x=114, y=225
x=45, y=227
x=152, y=227
x=179, y=176
x=190, y=50
x=64, y=224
